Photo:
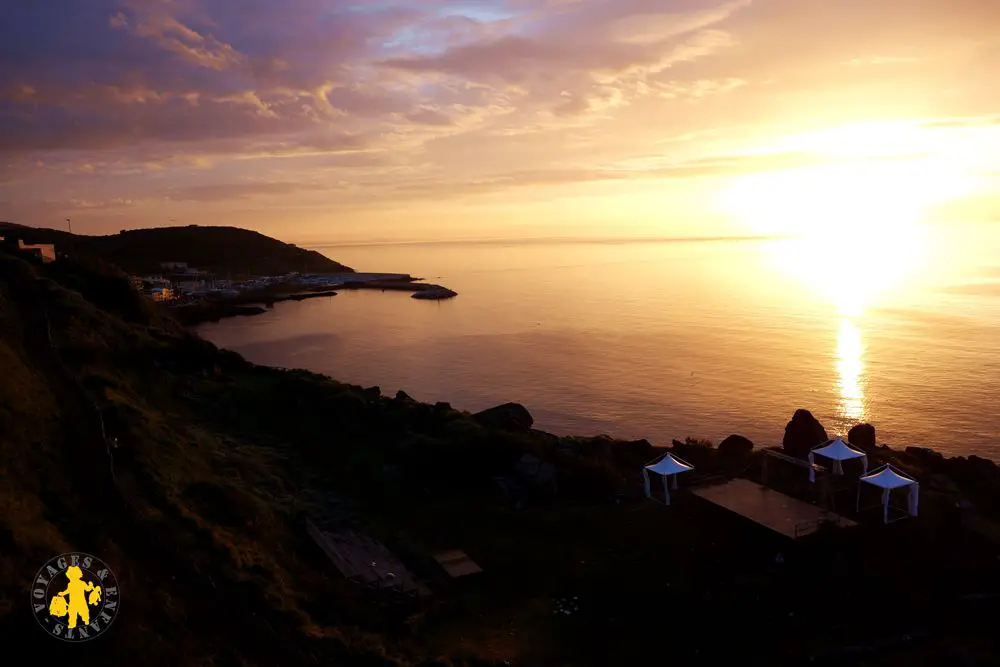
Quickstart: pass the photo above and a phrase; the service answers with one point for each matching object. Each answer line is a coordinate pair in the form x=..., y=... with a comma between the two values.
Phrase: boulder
x=463, y=429
x=699, y=453
x=545, y=437
x=927, y=457
x=507, y=417
x=862, y=436
x=803, y=433
x=402, y=396
x=735, y=446
x=986, y=467
x=635, y=452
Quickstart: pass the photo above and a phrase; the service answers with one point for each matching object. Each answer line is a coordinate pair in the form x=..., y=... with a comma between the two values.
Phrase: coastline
x=258, y=302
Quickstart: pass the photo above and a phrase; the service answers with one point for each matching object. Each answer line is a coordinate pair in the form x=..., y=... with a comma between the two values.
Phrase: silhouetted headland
x=210, y=273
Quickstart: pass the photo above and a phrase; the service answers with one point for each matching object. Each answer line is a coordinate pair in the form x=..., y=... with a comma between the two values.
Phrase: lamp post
x=70, y=224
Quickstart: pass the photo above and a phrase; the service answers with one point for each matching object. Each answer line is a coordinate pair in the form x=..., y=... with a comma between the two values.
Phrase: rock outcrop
x=506, y=417
x=635, y=452
x=803, y=433
x=434, y=293
x=735, y=446
x=862, y=436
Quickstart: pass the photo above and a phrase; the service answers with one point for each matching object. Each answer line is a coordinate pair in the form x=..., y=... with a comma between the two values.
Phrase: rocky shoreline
x=215, y=310
x=260, y=302
x=419, y=289
x=970, y=483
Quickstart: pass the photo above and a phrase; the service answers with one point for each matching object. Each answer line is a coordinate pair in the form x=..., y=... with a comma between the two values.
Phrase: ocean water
x=667, y=338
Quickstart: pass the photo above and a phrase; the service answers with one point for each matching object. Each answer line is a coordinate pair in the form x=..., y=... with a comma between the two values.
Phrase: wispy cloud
x=311, y=100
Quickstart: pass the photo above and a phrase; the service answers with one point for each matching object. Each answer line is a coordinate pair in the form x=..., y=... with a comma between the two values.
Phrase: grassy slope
x=201, y=509
x=200, y=512
x=183, y=566
x=222, y=250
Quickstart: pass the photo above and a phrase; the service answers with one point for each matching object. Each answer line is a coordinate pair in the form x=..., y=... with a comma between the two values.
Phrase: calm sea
x=661, y=338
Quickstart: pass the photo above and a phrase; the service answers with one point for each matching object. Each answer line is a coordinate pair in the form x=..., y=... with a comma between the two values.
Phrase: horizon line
x=609, y=240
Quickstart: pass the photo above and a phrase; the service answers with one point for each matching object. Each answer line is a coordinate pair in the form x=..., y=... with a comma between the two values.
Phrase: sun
x=845, y=198
x=854, y=228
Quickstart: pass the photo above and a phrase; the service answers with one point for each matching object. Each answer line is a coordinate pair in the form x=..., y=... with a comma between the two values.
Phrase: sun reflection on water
x=856, y=236
x=850, y=371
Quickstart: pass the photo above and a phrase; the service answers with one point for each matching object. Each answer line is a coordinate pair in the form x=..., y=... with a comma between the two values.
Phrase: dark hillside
x=221, y=250
x=190, y=471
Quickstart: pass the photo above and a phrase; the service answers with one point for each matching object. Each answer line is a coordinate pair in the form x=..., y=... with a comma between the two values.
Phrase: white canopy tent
x=887, y=478
x=667, y=467
x=838, y=451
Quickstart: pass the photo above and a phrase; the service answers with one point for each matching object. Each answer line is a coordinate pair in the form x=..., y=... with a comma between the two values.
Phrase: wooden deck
x=364, y=560
x=457, y=563
x=772, y=509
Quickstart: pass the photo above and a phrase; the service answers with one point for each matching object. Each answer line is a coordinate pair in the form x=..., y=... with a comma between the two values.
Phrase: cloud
x=989, y=120
x=647, y=168
x=173, y=36
x=425, y=95
x=231, y=191
x=883, y=60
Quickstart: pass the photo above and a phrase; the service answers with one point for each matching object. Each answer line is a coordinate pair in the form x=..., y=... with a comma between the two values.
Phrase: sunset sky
x=324, y=120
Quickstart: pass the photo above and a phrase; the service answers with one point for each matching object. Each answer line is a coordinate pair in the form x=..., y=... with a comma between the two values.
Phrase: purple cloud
x=406, y=96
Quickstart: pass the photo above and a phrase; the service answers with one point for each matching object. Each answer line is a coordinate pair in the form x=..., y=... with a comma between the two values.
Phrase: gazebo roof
x=837, y=450
x=669, y=465
x=887, y=477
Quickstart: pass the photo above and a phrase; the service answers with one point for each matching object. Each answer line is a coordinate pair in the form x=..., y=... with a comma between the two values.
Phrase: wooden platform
x=457, y=563
x=366, y=561
x=772, y=509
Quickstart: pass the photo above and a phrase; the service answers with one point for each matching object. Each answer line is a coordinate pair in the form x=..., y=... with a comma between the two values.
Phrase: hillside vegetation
x=201, y=506
x=200, y=509
x=221, y=250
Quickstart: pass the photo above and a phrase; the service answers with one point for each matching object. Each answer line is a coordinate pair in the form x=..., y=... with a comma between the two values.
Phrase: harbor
x=197, y=296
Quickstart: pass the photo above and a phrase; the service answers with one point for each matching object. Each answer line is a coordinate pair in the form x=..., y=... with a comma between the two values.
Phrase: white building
x=46, y=251
x=162, y=294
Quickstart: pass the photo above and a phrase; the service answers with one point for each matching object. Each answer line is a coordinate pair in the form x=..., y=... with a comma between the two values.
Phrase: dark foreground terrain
x=200, y=508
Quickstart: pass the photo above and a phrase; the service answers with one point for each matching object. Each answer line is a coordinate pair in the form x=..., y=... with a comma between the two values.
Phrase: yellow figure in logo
x=77, y=590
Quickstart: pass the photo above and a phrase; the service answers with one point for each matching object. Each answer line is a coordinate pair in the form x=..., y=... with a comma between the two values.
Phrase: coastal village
x=196, y=295
x=199, y=294
x=179, y=284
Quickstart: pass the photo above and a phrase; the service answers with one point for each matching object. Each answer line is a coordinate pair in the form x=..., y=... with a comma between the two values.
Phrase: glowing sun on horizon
x=855, y=228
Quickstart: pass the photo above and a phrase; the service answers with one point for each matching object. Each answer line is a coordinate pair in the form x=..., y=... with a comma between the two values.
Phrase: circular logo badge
x=75, y=597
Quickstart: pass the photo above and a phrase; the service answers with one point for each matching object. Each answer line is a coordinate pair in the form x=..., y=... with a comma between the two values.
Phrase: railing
x=787, y=458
